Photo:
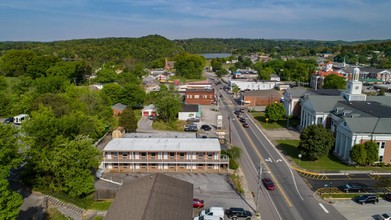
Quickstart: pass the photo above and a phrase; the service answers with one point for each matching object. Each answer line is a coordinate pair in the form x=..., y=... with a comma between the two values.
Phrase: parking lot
x=354, y=211
x=214, y=189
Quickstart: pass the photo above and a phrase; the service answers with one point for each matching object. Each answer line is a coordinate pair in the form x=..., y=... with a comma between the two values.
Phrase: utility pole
x=259, y=187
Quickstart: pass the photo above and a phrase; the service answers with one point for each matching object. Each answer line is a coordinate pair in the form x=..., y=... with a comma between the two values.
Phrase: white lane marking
x=324, y=209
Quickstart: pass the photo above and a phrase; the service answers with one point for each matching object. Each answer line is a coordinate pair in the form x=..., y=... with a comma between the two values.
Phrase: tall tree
x=334, y=81
x=315, y=142
x=10, y=201
x=372, y=152
x=128, y=120
x=189, y=66
x=15, y=62
x=275, y=112
x=168, y=105
x=358, y=154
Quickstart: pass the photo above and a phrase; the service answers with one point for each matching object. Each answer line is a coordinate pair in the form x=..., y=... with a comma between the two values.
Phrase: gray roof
x=119, y=106
x=153, y=197
x=324, y=103
x=297, y=92
x=369, y=125
x=384, y=100
x=166, y=134
x=372, y=108
x=164, y=144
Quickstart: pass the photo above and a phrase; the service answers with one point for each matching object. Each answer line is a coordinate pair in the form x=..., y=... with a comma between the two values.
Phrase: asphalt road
x=292, y=198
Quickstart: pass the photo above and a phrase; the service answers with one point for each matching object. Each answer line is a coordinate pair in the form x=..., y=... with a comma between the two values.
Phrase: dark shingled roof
x=153, y=197
x=189, y=107
x=370, y=107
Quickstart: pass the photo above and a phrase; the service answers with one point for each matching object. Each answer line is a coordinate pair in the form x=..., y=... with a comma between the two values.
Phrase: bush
x=233, y=164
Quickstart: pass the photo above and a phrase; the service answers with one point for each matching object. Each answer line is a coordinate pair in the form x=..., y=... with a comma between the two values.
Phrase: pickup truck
x=238, y=213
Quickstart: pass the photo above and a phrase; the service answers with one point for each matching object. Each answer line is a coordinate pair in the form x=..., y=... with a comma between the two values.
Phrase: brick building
x=200, y=96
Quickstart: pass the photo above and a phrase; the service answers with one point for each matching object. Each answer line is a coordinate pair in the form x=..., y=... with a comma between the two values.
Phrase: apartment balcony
x=160, y=161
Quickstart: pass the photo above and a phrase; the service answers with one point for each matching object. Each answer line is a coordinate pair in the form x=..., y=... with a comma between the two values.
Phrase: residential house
x=164, y=155
x=118, y=109
x=275, y=77
x=149, y=110
x=153, y=197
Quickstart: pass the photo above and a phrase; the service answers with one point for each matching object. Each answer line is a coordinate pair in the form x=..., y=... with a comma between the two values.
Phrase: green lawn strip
x=328, y=163
x=172, y=126
x=100, y=205
x=54, y=214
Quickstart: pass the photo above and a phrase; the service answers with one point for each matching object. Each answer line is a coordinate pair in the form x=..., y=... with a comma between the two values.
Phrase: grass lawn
x=100, y=205
x=172, y=126
x=327, y=163
x=260, y=116
x=54, y=214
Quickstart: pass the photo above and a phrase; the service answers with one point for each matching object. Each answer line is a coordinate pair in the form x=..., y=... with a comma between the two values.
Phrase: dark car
x=191, y=127
x=198, y=203
x=350, y=188
x=388, y=197
x=206, y=127
x=9, y=120
x=246, y=125
x=268, y=183
x=242, y=120
x=367, y=198
x=238, y=213
x=151, y=117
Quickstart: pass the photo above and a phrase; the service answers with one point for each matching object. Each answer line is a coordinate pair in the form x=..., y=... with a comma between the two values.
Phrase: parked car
x=386, y=216
x=198, y=203
x=206, y=127
x=214, y=211
x=9, y=120
x=191, y=127
x=367, y=198
x=236, y=213
x=246, y=125
x=268, y=183
x=193, y=120
x=207, y=217
x=351, y=188
x=388, y=197
x=151, y=117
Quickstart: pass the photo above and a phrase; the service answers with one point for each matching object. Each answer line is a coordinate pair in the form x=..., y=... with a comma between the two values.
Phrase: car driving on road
x=268, y=183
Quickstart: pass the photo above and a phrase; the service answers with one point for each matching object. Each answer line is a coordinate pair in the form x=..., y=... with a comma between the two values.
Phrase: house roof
x=264, y=93
x=204, y=82
x=297, y=92
x=373, y=108
x=149, y=107
x=153, y=197
x=323, y=103
x=119, y=106
x=190, y=108
x=164, y=144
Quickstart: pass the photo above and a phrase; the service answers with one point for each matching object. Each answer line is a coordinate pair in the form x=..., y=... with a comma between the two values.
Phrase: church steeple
x=354, y=87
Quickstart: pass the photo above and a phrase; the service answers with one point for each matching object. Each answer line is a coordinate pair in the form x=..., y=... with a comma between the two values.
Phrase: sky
x=52, y=20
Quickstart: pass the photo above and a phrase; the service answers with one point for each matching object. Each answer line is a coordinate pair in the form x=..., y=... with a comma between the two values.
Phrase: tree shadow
x=33, y=213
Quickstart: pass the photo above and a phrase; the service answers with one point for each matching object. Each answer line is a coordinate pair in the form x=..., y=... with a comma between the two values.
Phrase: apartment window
x=172, y=155
x=153, y=165
x=124, y=166
x=190, y=96
x=115, y=155
x=200, y=166
x=196, y=96
x=143, y=155
x=153, y=155
x=172, y=165
x=210, y=155
x=381, y=144
x=205, y=96
x=182, y=165
x=182, y=155
x=143, y=165
x=115, y=166
x=125, y=155
x=210, y=166
x=200, y=156
x=381, y=158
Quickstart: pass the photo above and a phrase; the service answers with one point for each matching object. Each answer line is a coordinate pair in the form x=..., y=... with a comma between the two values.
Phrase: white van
x=213, y=211
x=208, y=217
x=20, y=118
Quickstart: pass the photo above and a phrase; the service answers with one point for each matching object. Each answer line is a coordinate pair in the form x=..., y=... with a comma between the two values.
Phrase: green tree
x=10, y=201
x=106, y=75
x=275, y=112
x=372, y=150
x=50, y=84
x=235, y=89
x=358, y=154
x=128, y=120
x=168, y=105
x=189, y=66
x=217, y=64
x=221, y=72
x=15, y=62
x=266, y=73
x=315, y=142
x=333, y=81
x=234, y=152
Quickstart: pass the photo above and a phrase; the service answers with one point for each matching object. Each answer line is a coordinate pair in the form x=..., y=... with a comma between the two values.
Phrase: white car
x=213, y=211
x=386, y=216
x=207, y=217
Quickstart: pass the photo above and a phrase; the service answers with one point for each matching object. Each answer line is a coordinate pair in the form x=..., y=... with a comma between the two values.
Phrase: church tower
x=354, y=87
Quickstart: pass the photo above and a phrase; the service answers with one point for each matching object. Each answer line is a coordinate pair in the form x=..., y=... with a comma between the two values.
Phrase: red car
x=198, y=203
x=268, y=183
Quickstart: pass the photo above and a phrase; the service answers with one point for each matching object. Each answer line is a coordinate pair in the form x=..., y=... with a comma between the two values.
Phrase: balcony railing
x=187, y=161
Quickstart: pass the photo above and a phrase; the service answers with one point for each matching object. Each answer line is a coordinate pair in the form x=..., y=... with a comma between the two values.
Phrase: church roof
x=369, y=125
x=322, y=103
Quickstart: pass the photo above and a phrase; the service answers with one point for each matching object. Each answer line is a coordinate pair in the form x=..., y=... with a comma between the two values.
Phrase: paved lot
x=354, y=211
x=214, y=189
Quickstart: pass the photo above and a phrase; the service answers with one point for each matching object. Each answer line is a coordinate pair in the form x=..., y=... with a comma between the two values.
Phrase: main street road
x=292, y=198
